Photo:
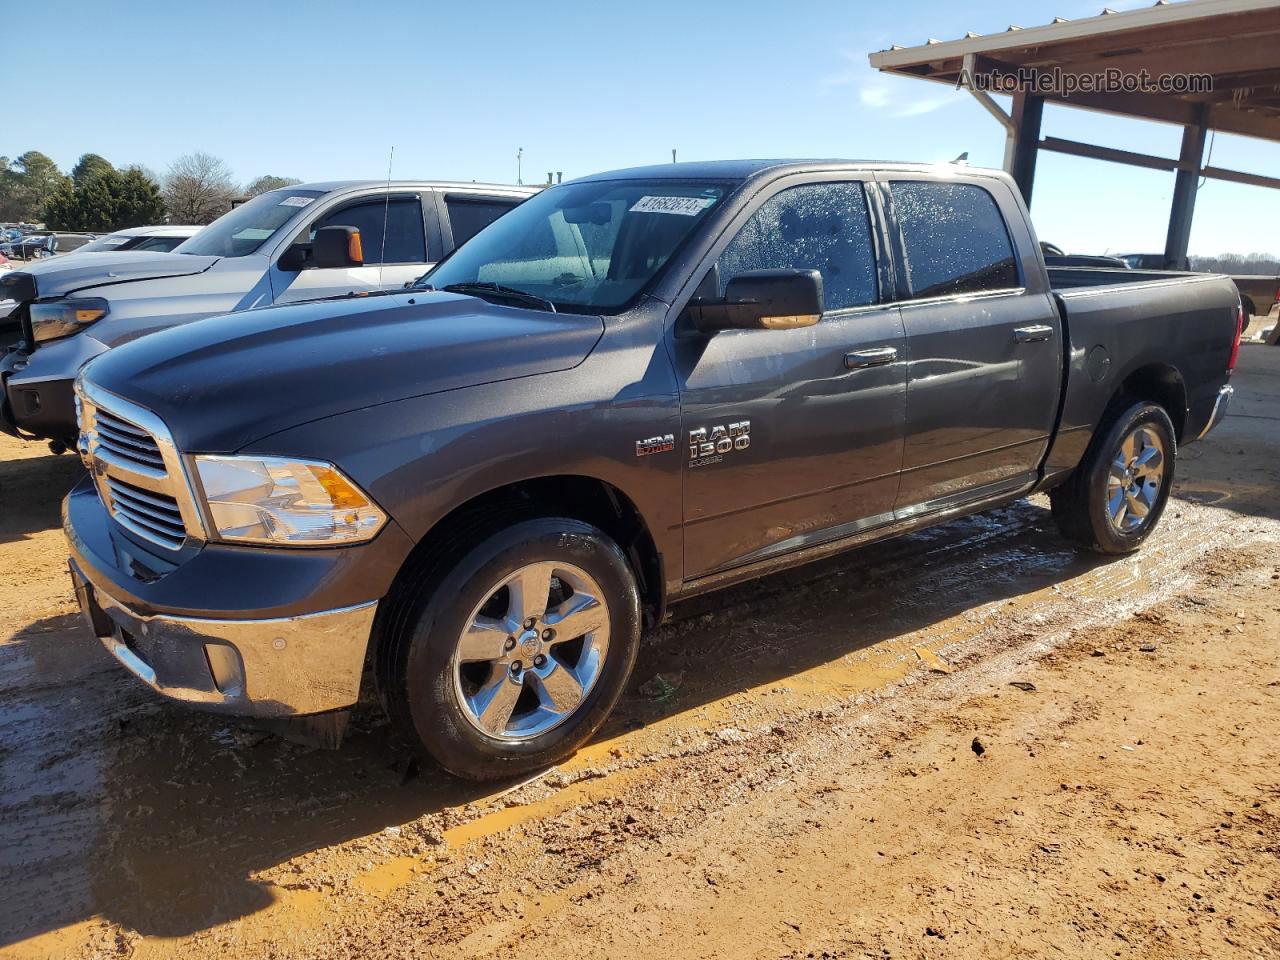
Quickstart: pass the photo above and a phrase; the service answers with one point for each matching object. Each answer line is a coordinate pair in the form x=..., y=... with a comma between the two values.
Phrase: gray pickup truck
x=70, y=309
x=633, y=388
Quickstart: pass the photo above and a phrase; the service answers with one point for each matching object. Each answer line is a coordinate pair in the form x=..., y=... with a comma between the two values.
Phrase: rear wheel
x=514, y=655
x=1116, y=496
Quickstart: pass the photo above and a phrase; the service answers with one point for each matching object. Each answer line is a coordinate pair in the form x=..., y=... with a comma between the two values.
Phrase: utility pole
x=673, y=154
x=519, y=157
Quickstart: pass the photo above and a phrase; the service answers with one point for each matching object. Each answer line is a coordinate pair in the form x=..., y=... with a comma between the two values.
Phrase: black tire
x=1080, y=506
x=417, y=676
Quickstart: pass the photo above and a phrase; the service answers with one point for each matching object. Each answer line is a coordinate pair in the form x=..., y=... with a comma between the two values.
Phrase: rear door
x=393, y=236
x=983, y=340
x=794, y=437
x=466, y=214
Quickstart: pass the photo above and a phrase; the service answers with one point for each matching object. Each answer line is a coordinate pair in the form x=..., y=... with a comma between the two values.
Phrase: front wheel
x=515, y=655
x=1116, y=496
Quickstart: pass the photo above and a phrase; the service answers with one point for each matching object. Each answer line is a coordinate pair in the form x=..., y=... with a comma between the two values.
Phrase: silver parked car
x=158, y=239
x=298, y=243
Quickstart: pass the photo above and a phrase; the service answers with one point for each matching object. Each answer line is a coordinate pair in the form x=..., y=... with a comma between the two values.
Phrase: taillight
x=1235, y=347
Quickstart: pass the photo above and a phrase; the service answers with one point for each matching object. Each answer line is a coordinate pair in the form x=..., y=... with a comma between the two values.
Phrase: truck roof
x=745, y=169
x=329, y=186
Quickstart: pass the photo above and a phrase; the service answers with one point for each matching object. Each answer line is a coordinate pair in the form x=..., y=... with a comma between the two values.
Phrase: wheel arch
x=576, y=496
x=1159, y=383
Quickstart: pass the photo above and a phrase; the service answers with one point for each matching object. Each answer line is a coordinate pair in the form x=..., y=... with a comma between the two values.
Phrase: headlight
x=61, y=318
x=291, y=502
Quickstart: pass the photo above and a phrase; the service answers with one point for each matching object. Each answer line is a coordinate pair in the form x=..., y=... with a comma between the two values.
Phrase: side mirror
x=336, y=247
x=763, y=300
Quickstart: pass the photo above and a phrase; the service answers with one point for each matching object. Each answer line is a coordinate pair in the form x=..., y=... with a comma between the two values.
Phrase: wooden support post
x=1027, y=113
x=1184, y=194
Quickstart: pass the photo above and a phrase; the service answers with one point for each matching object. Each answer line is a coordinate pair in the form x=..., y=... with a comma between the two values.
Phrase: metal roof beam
x=1237, y=176
x=1077, y=149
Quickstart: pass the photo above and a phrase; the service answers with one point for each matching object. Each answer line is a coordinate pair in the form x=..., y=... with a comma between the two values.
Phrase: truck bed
x=1071, y=278
x=1153, y=323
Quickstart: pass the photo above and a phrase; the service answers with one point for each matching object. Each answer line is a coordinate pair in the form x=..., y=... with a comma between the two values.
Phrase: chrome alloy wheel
x=532, y=650
x=1133, y=481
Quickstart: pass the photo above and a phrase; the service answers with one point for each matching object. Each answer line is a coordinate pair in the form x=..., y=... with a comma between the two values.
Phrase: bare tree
x=198, y=188
x=268, y=182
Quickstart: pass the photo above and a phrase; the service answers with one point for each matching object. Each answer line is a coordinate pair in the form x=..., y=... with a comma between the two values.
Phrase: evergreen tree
x=107, y=200
x=89, y=165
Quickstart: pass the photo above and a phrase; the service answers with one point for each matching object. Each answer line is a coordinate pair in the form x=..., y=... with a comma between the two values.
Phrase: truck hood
x=58, y=276
x=226, y=381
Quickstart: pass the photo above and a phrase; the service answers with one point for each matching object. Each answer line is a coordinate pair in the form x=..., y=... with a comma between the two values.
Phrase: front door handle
x=1033, y=334
x=875, y=357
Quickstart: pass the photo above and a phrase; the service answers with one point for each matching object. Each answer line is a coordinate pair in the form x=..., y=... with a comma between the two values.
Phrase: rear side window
x=821, y=226
x=406, y=238
x=955, y=239
x=469, y=216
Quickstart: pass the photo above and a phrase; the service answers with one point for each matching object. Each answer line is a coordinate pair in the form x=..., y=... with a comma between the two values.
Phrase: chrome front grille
x=137, y=469
x=127, y=440
x=155, y=516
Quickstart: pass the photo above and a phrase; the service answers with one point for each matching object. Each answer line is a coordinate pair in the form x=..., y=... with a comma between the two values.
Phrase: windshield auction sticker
x=682, y=206
x=296, y=201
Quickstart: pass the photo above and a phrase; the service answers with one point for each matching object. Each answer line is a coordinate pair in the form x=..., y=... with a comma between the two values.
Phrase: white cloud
x=875, y=96
x=920, y=107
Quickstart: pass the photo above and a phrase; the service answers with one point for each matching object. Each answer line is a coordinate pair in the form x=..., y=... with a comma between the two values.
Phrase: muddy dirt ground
x=973, y=741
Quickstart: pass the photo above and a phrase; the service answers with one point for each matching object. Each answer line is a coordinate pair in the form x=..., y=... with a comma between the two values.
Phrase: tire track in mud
x=845, y=627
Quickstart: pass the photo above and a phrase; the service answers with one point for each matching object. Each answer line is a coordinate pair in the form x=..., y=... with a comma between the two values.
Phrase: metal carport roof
x=1232, y=47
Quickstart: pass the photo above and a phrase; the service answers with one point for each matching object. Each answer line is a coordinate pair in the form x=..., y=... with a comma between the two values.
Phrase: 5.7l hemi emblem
x=710, y=444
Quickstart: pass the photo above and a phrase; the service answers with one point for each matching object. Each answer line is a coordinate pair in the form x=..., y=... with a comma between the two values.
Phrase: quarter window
x=954, y=237
x=406, y=238
x=821, y=226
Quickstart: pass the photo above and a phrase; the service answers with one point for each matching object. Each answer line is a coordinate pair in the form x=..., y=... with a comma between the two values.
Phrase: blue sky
x=323, y=90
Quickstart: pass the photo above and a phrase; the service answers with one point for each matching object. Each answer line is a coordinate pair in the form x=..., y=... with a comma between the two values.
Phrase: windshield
x=250, y=225
x=110, y=242
x=586, y=247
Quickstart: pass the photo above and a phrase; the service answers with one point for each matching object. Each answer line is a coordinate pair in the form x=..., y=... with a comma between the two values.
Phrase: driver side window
x=399, y=218
x=820, y=226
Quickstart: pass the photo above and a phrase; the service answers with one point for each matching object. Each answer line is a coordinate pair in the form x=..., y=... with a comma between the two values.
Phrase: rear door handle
x=875, y=357
x=1033, y=334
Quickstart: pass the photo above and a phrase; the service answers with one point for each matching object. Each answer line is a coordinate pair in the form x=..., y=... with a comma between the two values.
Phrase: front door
x=794, y=437
x=984, y=346
x=387, y=265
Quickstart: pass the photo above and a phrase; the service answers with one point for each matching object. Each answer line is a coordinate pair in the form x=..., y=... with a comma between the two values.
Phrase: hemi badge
x=661, y=444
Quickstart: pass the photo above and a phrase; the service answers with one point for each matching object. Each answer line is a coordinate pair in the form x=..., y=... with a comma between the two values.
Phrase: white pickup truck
x=263, y=252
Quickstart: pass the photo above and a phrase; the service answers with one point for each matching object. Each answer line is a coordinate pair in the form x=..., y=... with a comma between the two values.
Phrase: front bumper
x=263, y=632
x=1219, y=409
x=37, y=389
x=281, y=667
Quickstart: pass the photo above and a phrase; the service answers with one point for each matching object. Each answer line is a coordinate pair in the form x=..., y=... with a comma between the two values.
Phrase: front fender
x=423, y=457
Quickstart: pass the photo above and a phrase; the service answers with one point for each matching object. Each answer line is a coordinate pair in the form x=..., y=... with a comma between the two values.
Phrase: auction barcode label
x=684, y=206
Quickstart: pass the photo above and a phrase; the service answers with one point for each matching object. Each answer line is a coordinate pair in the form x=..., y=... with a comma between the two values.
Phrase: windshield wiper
x=479, y=289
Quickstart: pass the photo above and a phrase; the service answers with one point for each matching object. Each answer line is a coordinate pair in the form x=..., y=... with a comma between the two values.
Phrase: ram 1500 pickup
x=280, y=247
x=633, y=388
